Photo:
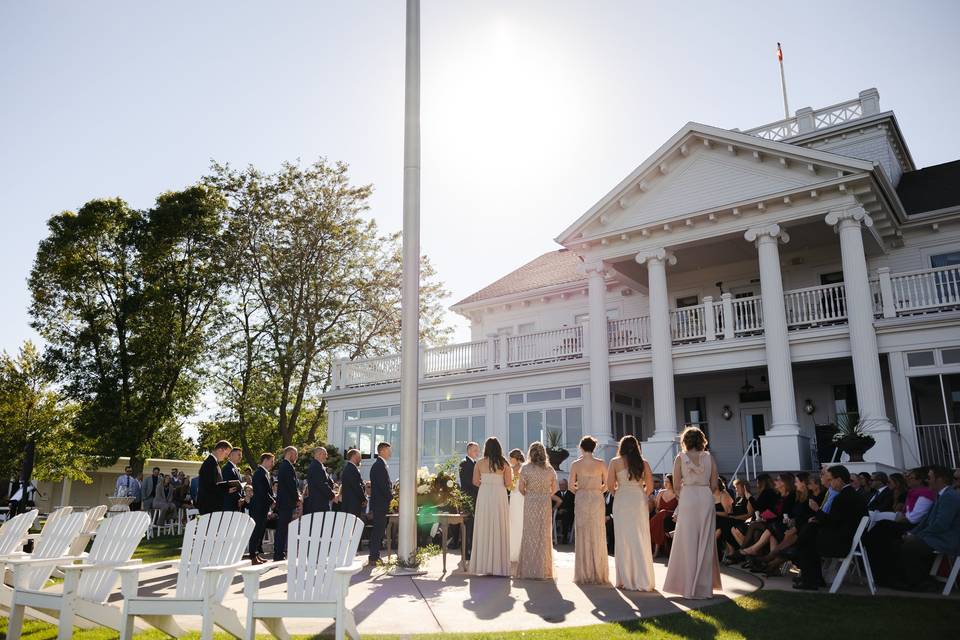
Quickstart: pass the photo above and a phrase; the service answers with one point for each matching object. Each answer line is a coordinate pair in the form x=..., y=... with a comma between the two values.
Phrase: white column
x=783, y=448
x=863, y=337
x=728, y=319
x=658, y=449
x=900, y=388
x=709, y=321
x=598, y=348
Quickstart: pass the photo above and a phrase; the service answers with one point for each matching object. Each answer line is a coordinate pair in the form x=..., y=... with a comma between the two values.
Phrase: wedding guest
x=587, y=480
x=129, y=486
x=163, y=500
x=260, y=504
x=881, y=498
x=211, y=495
x=565, y=502
x=491, y=534
x=608, y=502
x=662, y=521
x=319, y=485
x=630, y=482
x=538, y=482
x=515, y=459
x=956, y=479
x=693, y=569
x=231, y=471
x=149, y=489
x=938, y=533
x=898, y=485
x=175, y=477
x=884, y=538
x=736, y=520
x=381, y=492
x=288, y=496
x=466, y=486
x=352, y=491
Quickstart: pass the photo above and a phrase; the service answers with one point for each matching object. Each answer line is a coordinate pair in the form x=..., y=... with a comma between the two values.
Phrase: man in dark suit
x=882, y=498
x=381, y=492
x=263, y=500
x=211, y=495
x=352, y=495
x=319, y=486
x=231, y=471
x=467, y=487
x=832, y=532
x=608, y=510
x=288, y=495
x=939, y=532
x=565, y=503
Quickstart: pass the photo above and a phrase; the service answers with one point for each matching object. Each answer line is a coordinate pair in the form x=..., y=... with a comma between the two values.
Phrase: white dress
x=491, y=528
x=516, y=521
x=631, y=530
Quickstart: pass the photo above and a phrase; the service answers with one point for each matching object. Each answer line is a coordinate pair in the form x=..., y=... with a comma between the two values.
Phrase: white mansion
x=764, y=284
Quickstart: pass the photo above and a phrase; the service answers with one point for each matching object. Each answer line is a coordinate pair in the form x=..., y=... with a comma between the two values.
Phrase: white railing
x=815, y=305
x=808, y=120
x=748, y=462
x=686, y=324
x=939, y=444
x=455, y=358
x=719, y=318
x=629, y=334
x=776, y=130
x=917, y=291
x=747, y=315
x=370, y=371
x=545, y=346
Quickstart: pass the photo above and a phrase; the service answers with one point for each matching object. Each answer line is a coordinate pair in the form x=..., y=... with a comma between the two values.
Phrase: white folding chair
x=857, y=550
x=952, y=578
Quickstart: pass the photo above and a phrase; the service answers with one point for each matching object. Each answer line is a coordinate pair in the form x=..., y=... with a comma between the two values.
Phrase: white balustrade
x=926, y=289
x=686, y=323
x=747, y=316
x=939, y=444
x=371, y=371
x=826, y=304
x=629, y=334
x=818, y=119
x=720, y=318
x=455, y=358
x=545, y=346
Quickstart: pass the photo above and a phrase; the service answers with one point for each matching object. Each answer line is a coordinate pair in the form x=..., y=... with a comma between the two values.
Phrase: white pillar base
x=660, y=453
x=887, y=450
x=784, y=452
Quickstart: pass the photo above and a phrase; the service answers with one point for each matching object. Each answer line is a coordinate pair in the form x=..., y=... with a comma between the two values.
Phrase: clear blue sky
x=531, y=110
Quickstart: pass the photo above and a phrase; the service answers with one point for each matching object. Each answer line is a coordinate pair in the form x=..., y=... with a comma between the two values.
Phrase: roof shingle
x=930, y=188
x=550, y=269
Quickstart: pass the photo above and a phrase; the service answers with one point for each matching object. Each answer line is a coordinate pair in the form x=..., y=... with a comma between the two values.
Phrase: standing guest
x=834, y=530
x=630, y=482
x=195, y=489
x=566, y=504
x=881, y=498
x=381, y=492
x=352, y=491
x=938, y=533
x=538, y=482
x=693, y=569
x=319, y=485
x=288, y=496
x=231, y=471
x=587, y=479
x=260, y=504
x=129, y=486
x=211, y=495
x=515, y=458
x=491, y=535
x=466, y=487
x=149, y=488
x=662, y=522
x=608, y=502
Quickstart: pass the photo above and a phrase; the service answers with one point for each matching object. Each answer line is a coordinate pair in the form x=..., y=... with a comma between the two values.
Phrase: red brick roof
x=550, y=269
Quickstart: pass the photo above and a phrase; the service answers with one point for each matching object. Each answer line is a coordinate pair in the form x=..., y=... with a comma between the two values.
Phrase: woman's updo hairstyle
x=693, y=439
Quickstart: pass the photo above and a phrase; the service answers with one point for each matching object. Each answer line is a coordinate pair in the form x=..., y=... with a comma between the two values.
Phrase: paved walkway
x=455, y=602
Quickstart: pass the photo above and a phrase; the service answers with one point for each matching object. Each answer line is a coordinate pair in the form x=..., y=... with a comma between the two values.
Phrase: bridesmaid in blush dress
x=693, y=569
x=490, y=554
x=630, y=481
x=589, y=526
x=538, y=483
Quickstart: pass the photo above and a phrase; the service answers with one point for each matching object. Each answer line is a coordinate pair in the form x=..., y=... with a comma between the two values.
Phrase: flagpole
x=410, y=301
x=783, y=83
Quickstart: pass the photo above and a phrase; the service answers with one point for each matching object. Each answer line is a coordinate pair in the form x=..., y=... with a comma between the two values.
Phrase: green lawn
x=766, y=614
x=157, y=549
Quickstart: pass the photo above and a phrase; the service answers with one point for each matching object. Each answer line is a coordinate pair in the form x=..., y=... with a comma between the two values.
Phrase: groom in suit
x=381, y=492
x=468, y=488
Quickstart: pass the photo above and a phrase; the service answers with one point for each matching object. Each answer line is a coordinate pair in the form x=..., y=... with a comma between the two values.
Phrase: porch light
x=809, y=407
x=747, y=387
x=726, y=412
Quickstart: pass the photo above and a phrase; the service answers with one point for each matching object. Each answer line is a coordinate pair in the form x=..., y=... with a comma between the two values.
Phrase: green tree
x=36, y=423
x=125, y=299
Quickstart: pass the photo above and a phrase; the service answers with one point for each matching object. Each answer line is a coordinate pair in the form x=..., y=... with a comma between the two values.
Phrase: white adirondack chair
x=320, y=562
x=14, y=531
x=91, y=522
x=51, y=522
x=86, y=586
x=213, y=545
x=31, y=571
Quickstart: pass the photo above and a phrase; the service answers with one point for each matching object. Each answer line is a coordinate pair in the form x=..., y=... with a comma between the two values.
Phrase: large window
x=545, y=413
x=448, y=425
x=364, y=429
x=936, y=413
x=625, y=415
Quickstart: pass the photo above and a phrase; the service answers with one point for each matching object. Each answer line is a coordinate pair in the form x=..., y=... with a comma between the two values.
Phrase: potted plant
x=556, y=453
x=852, y=436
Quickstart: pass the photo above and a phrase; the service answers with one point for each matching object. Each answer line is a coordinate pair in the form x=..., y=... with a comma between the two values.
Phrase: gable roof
x=678, y=142
x=550, y=269
x=931, y=188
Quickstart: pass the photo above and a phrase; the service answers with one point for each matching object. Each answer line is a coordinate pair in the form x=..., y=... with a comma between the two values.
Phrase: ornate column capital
x=851, y=216
x=656, y=255
x=595, y=267
x=771, y=231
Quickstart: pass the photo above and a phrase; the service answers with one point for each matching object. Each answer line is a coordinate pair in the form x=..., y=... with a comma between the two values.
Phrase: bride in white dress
x=516, y=507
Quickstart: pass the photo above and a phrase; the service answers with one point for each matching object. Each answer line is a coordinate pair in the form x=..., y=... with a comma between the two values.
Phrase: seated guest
x=662, y=521
x=794, y=522
x=898, y=485
x=774, y=520
x=956, y=479
x=939, y=532
x=862, y=482
x=881, y=498
x=815, y=488
x=764, y=502
x=564, y=501
x=741, y=512
x=833, y=532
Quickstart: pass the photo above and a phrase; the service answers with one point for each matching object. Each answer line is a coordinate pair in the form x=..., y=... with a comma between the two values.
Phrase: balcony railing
x=939, y=444
x=807, y=120
x=904, y=294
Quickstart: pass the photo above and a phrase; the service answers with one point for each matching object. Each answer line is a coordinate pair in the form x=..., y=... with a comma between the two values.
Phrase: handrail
x=749, y=459
x=672, y=451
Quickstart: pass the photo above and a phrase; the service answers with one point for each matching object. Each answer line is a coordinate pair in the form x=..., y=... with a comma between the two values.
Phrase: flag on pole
x=779, y=53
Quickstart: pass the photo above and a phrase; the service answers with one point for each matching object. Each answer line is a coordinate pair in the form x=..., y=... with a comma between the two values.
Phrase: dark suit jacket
x=210, y=497
x=836, y=528
x=231, y=501
x=940, y=528
x=381, y=490
x=263, y=497
x=466, y=479
x=566, y=503
x=351, y=490
x=287, y=493
x=882, y=501
x=319, y=489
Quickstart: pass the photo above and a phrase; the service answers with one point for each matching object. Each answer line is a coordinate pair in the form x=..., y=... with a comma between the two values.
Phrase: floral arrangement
x=438, y=491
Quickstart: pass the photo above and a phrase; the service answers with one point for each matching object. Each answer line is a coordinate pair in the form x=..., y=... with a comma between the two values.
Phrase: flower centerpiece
x=438, y=492
x=852, y=436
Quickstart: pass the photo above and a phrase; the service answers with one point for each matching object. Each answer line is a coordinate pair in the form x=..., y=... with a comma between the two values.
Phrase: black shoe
x=803, y=586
